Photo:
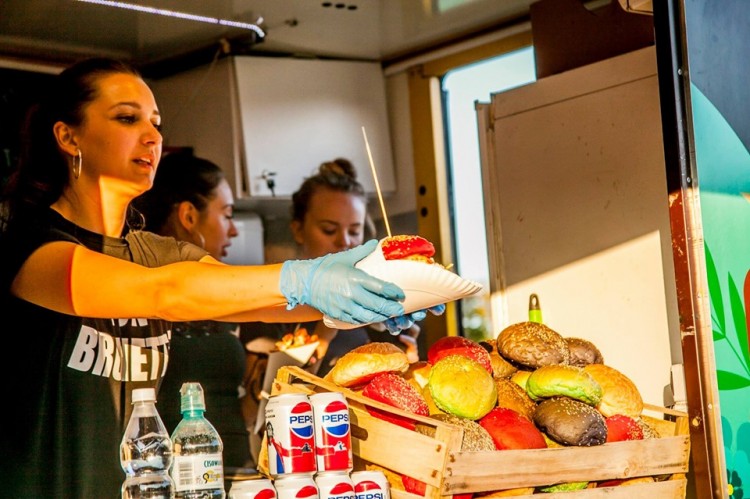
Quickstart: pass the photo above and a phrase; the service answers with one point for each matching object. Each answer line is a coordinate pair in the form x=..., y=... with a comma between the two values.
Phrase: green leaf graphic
x=714, y=290
x=718, y=335
x=731, y=381
x=740, y=326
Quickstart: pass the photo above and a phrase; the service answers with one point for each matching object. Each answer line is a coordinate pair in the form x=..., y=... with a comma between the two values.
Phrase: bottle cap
x=191, y=397
x=535, y=309
x=144, y=395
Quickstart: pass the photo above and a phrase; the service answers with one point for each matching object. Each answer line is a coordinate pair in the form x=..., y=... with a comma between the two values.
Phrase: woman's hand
x=395, y=325
x=334, y=286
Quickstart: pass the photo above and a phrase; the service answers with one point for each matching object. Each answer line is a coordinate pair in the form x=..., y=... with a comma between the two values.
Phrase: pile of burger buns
x=530, y=388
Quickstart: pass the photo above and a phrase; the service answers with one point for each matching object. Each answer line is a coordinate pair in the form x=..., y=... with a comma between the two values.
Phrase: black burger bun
x=571, y=422
x=532, y=345
x=583, y=352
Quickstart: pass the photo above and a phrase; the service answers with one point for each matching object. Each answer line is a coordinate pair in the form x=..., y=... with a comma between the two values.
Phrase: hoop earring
x=135, y=220
x=77, y=164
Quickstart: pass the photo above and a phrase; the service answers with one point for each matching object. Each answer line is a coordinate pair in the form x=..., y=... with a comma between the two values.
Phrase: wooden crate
x=434, y=460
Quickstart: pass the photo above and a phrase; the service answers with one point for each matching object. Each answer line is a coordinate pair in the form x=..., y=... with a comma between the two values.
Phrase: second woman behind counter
x=192, y=201
x=328, y=215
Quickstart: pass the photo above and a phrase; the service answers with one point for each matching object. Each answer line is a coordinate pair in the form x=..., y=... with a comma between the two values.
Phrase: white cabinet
x=577, y=211
x=261, y=117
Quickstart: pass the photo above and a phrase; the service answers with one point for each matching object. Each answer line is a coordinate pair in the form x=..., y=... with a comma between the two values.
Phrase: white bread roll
x=360, y=365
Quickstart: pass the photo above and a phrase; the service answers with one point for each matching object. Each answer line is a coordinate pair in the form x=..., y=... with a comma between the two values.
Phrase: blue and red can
x=333, y=441
x=290, y=434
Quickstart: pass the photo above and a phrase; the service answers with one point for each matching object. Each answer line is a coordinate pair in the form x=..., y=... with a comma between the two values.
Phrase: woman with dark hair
x=191, y=201
x=91, y=297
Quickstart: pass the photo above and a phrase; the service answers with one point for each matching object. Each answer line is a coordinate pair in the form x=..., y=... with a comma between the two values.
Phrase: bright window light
x=179, y=15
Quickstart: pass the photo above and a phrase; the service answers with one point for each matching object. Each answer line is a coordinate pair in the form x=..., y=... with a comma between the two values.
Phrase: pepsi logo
x=300, y=420
x=366, y=485
x=266, y=494
x=306, y=492
x=370, y=495
x=367, y=489
x=342, y=489
x=335, y=419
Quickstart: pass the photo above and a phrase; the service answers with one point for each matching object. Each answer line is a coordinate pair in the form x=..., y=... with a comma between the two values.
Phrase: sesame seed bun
x=571, y=422
x=360, y=365
x=532, y=345
x=619, y=393
x=568, y=381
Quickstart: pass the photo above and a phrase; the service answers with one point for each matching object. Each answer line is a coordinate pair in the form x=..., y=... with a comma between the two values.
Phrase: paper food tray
x=425, y=285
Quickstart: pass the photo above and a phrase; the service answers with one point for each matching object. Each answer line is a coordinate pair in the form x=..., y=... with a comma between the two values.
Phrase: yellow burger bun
x=619, y=393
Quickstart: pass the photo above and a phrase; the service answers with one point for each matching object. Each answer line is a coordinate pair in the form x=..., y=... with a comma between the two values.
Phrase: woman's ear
x=296, y=227
x=65, y=138
x=187, y=214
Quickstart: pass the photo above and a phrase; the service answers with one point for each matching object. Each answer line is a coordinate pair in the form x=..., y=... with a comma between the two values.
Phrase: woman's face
x=119, y=138
x=215, y=222
x=335, y=221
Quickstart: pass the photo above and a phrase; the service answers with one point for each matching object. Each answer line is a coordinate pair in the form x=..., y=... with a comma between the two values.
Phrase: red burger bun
x=621, y=427
x=415, y=486
x=510, y=430
x=458, y=345
x=395, y=391
x=404, y=246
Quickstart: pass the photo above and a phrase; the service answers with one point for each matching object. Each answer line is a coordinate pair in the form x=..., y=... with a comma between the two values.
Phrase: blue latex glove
x=395, y=325
x=332, y=285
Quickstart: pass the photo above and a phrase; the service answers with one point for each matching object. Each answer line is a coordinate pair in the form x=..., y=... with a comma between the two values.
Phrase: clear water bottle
x=198, y=468
x=146, y=451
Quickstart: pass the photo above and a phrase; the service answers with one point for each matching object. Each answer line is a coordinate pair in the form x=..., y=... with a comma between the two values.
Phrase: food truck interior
x=596, y=239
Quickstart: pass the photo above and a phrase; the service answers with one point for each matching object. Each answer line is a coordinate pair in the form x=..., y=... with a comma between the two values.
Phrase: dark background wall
x=18, y=91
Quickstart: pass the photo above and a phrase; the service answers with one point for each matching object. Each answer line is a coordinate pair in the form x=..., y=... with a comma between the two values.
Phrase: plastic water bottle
x=146, y=451
x=198, y=468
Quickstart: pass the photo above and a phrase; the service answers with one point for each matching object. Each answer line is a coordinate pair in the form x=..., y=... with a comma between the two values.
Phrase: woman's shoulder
x=153, y=250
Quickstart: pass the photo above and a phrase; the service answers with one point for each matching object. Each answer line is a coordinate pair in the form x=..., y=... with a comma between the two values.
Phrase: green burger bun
x=461, y=386
x=563, y=380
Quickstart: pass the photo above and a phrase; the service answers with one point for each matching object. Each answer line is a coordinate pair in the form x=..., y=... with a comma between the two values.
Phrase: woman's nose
x=343, y=240
x=153, y=135
x=233, y=232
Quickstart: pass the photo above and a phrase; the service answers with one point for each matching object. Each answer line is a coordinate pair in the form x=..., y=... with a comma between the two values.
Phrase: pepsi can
x=252, y=489
x=290, y=434
x=296, y=487
x=371, y=485
x=333, y=441
x=334, y=485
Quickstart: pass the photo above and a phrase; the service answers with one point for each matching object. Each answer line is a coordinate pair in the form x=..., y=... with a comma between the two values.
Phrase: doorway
x=461, y=88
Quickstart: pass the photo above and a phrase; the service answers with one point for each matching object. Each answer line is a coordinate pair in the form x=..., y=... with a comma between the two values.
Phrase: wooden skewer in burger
x=407, y=261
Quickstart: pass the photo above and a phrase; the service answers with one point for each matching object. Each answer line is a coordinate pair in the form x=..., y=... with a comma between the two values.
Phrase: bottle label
x=198, y=472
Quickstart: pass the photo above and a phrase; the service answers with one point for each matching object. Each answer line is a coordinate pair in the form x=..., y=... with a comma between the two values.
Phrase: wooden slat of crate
x=470, y=471
x=448, y=472
x=670, y=489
